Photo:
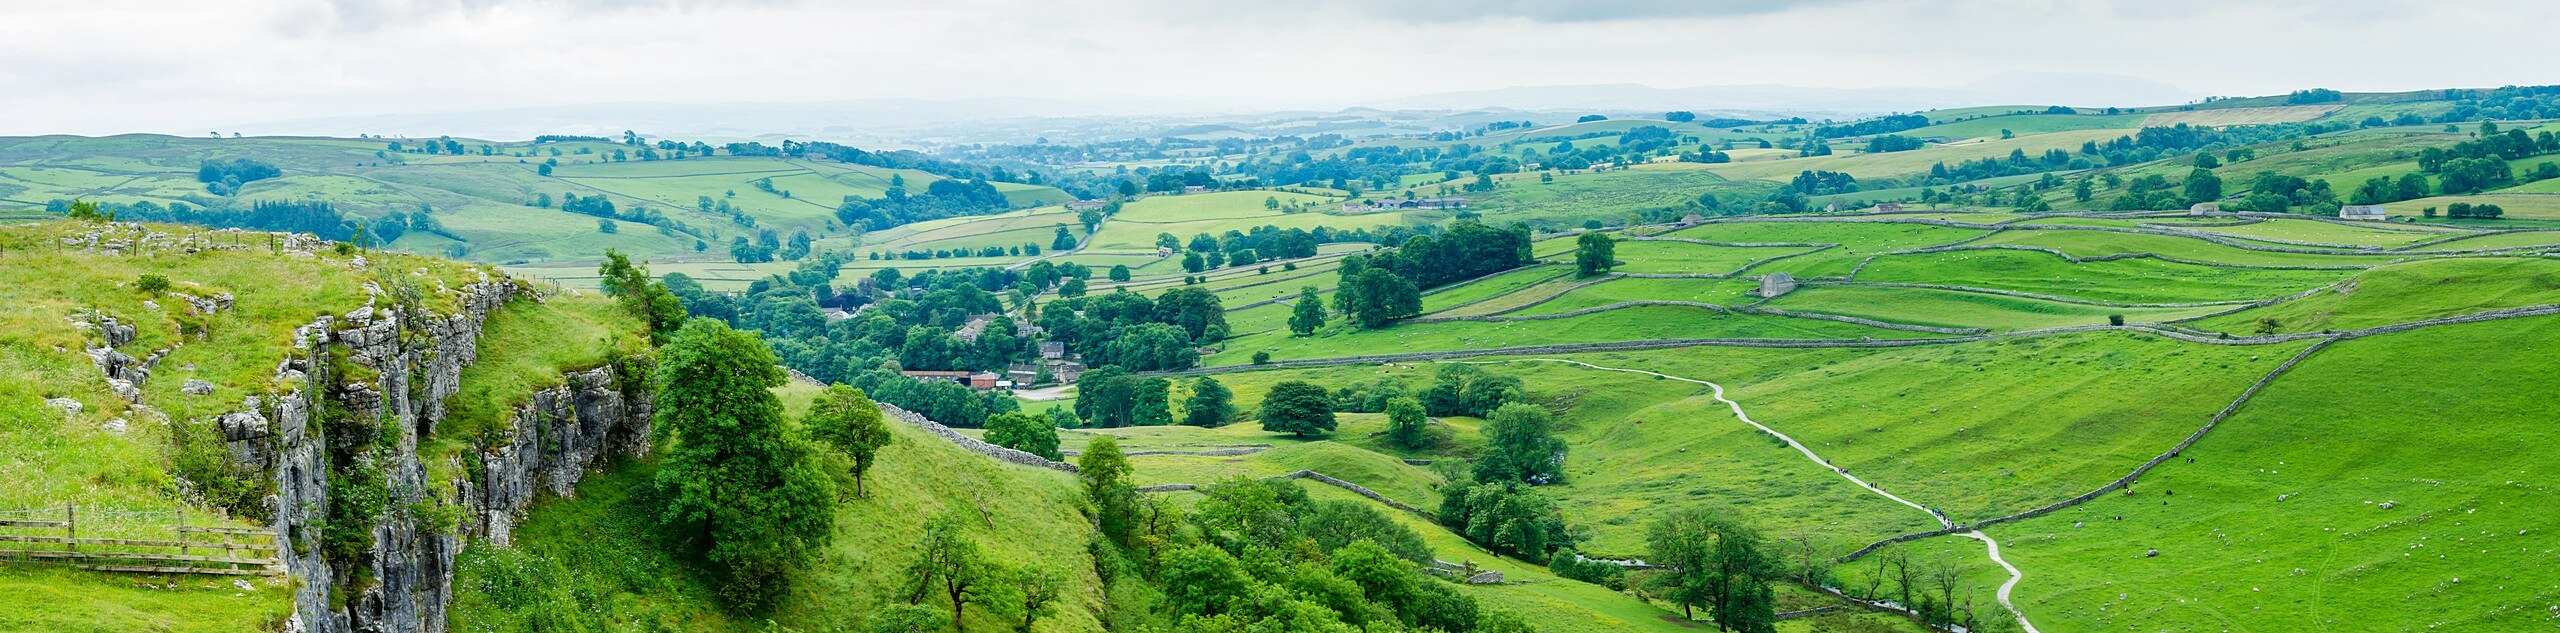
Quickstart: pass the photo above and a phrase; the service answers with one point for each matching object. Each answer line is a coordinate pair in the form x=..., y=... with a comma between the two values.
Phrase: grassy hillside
x=2319, y=502
x=483, y=202
x=132, y=467
x=599, y=558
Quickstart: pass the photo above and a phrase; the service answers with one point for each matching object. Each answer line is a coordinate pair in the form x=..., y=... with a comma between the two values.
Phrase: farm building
x=2363, y=212
x=1053, y=350
x=929, y=375
x=1451, y=202
x=1774, y=284
x=2205, y=208
x=1086, y=205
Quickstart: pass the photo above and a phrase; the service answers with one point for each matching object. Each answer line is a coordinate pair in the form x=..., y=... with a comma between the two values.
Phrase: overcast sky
x=107, y=66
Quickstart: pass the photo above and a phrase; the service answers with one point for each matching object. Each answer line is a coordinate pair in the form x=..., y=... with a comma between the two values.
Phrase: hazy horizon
x=121, y=66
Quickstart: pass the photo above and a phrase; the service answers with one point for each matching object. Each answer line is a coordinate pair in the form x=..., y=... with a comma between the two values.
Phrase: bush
x=1262, y=358
x=151, y=283
x=1568, y=564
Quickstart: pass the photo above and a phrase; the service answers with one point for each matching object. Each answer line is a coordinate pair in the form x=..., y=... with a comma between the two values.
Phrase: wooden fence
x=148, y=541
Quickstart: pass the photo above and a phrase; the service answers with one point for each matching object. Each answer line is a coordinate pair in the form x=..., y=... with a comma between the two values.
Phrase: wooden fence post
x=70, y=528
x=181, y=533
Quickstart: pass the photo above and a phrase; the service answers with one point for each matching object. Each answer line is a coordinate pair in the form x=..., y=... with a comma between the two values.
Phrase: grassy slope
x=2126, y=280
x=53, y=460
x=2455, y=554
x=1857, y=240
x=2408, y=292
x=600, y=551
x=1965, y=309
x=1632, y=324
x=1991, y=428
x=481, y=199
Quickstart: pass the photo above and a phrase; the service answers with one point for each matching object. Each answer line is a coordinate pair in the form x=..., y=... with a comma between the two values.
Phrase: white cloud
x=107, y=66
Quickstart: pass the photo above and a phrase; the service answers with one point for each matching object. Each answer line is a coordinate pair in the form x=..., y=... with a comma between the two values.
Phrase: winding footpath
x=1817, y=459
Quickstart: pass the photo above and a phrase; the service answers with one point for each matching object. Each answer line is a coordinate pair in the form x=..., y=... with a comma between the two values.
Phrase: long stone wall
x=973, y=445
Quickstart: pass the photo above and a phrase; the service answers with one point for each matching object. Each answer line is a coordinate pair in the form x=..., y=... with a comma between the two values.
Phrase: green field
x=1690, y=258
x=2316, y=503
x=484, y=203
x=2406, y=292
x=1632, y=324
x=1945, y=308
x=2117, y=281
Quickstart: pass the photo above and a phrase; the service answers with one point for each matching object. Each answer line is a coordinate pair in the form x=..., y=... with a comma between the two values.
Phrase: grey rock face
x=415, y=362
x=195, y=387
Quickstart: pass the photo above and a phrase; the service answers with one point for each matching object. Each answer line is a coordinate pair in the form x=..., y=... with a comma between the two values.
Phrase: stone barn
x=2372, y=212
x=1774, y=284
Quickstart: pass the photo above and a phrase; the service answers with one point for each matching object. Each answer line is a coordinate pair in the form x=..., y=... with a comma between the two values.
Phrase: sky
x=114, y=66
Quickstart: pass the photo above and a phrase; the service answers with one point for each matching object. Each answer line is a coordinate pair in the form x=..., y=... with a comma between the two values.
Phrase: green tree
x=1299, y=408
x=2203, y=186
x=1027, y=432
x=738, y=487
x=1708, y=561
x=1032, y=593
x=1210, y=404
x=1594, y=253
x=1150, y=401
x=1203, y=580
x=1383, y=297
x=1308, y=314
x=1406, y=423
x=847, y=419
x=950, y=563
x=1105, y=472
x=630, y=286
x=1520, y=445
x=1063, y=241
x=2081, y=191
x=1119, y=272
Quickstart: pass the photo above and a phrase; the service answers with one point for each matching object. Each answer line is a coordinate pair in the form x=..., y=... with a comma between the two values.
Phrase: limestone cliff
x=343, y=442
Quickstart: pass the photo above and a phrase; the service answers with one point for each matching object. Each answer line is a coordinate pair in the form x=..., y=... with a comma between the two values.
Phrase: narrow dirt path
x=2014, y=577
x=1746, y=419
x=1718, y=390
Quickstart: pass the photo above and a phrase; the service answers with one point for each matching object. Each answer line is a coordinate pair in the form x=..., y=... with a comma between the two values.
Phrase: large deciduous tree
x=1299, y=408
x=1594, y=253
x=739, y=488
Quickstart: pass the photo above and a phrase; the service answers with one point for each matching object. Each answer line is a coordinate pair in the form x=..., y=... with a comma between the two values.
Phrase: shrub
x=151, y=283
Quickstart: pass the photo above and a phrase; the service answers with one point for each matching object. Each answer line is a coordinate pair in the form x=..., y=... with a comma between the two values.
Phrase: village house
x=984, y=380
x=2371, y=212
x=1053, y=350
x=977, y=325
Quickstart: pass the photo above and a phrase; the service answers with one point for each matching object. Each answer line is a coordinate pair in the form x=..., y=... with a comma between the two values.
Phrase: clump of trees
x=224, y=177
